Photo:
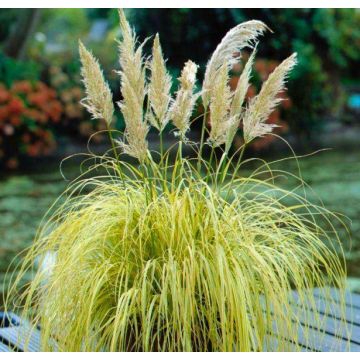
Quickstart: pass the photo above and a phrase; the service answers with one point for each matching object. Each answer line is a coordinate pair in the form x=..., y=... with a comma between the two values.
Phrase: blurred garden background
x=42, y=121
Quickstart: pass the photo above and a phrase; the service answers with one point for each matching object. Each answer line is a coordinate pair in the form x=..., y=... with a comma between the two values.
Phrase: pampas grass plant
x=161, y=256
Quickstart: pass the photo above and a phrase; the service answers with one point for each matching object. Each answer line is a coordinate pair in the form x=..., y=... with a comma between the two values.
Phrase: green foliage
x=72, y=22
x=7, y=19
x=339, y=31
x=12, y=70
x=305, y=117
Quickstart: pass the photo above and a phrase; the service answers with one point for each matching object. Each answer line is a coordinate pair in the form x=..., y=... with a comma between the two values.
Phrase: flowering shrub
x=27, y=112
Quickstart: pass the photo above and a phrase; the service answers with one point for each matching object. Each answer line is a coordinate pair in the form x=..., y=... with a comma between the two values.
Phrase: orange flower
x=23, y=87
x=51, y=93
x=55, y=111
x=37, y=98
x=260, y=66
x=251, y=92
x=272, y=64
x=16, y=106
x=4, y=95
x=4, y=112
x=233, y=82
x=52, y=110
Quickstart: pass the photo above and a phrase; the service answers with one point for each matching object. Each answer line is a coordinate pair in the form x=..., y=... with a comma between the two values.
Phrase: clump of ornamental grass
x=184, y=255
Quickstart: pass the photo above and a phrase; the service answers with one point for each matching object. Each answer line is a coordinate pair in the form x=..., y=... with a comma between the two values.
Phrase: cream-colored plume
x=261, y=106
x=242, y=87
x=236, y=108
x=182, y=107
x=98, y=100
x=159, y=88
x=237, y=38
x=220, y=120
x=132, y=74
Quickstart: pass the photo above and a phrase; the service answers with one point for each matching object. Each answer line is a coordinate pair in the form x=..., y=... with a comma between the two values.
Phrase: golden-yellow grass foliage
x=186, y=270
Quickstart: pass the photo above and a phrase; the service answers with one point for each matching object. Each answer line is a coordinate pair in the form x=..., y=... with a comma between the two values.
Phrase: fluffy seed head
x=159, y=88
x=238, y=98
x=242, y=87
x=132, y=74
x=261, y=106
x=237, y=38
x=98, y=100
x=184, y=103
x=219, y=108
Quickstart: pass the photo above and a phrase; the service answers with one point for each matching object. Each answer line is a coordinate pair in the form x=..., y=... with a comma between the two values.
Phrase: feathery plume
x=242, y=86
x=182, y=107
x=219, y=108
x=237, y=38
x=159, y=88
x=132, y=75
x=236, y=108
x=261, y=106
x=98, y=100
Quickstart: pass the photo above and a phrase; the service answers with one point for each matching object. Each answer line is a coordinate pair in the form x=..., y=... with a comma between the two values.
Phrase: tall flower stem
x=161, y=146
x=112, y=142
x=202, y=139
x=208, y=175
x=220, y=168
x=116, y=154
x=237, y=167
